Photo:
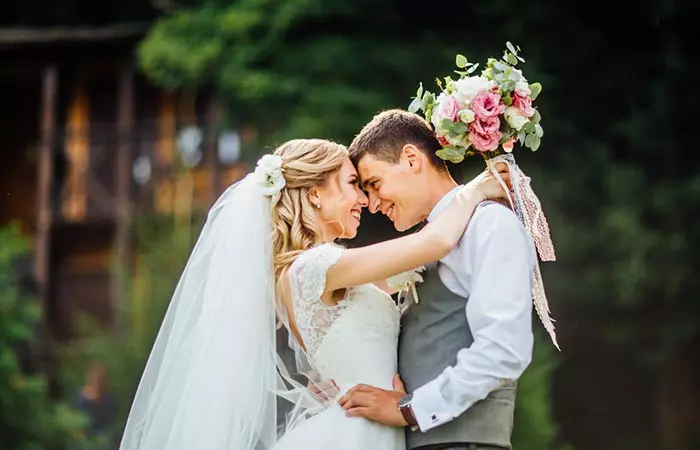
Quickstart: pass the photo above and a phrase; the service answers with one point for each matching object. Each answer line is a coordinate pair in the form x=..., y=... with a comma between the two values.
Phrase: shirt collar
x=442, y=203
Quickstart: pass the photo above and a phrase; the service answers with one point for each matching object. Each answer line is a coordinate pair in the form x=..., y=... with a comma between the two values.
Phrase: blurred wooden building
x=87, y=144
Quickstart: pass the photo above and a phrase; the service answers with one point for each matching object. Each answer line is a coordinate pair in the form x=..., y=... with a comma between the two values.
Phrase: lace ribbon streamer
x=527, y=207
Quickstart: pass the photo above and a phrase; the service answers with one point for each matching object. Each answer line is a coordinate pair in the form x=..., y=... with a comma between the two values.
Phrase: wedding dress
x=352, y=342
x=219, y=376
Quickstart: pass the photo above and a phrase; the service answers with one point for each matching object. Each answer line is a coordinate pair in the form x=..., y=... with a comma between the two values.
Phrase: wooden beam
x=18, y=36
x=77, y=147
x=49, y=88
x=125, y=125
x=164, y=160
x=213, y=124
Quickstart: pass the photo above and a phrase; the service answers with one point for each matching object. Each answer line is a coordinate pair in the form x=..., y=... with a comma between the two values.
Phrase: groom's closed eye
x=369, y=184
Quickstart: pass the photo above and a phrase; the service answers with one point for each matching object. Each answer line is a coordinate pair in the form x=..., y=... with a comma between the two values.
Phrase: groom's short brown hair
x=386, y=134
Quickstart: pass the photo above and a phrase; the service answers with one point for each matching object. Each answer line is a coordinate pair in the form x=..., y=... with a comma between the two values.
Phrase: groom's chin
x=401, y=227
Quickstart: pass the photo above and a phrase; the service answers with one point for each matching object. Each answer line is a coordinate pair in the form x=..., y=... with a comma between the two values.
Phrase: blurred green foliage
x=162, y=245
x=29, y=419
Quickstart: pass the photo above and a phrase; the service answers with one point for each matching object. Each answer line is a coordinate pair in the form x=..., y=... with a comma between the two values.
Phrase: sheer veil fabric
x=222, y=374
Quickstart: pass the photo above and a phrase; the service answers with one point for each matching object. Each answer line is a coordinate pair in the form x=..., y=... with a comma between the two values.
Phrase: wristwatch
x=407, y=411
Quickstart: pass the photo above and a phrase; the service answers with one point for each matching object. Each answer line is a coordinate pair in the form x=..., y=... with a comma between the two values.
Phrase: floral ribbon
x=527, y=207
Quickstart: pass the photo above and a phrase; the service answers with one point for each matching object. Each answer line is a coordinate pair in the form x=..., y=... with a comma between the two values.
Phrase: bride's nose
x=363, y=199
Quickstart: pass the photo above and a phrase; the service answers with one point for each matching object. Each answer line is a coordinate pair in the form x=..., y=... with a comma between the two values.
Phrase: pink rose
x=485, y=134
x=487, y=104
x=448, y=108
x=487, y=125
x=524, y=104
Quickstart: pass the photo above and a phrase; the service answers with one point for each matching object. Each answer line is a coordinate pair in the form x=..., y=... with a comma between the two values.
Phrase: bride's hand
x=488, y=187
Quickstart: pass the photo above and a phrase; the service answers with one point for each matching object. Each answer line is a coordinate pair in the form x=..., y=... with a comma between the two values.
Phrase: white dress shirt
x=491, y=265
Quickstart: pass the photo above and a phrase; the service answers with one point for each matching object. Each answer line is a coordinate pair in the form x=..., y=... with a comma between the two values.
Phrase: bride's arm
x=384, y=286
x=379, y=261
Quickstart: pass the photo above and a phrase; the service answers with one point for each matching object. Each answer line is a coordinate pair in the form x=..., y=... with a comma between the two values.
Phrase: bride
x=271, y=320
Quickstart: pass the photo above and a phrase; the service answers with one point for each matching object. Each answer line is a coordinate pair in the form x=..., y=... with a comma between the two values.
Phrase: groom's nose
x=374, y=203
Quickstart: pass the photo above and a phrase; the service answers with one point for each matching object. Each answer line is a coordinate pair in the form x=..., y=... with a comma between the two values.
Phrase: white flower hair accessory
x=269, y=174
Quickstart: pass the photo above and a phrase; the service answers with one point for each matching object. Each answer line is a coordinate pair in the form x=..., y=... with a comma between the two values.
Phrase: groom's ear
x=412, y=156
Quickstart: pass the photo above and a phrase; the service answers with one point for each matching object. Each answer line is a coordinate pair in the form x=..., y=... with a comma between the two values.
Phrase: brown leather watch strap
x=408, y=416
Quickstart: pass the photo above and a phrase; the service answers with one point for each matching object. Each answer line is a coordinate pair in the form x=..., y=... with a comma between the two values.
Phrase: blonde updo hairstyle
x=306, y=163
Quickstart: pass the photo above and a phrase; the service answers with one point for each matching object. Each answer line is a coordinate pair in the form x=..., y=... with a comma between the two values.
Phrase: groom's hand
x=375, y=404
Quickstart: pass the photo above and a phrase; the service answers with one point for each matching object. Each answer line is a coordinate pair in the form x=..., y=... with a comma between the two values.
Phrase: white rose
x=466, y=115
x=467, y=88
x=522, y=88
x=268, y=174
x=514, y=118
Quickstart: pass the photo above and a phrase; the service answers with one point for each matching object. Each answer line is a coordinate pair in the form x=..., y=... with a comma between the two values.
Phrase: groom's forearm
x=470, y=380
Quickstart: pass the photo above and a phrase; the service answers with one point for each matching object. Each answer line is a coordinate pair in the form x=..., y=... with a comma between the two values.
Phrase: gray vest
x=432, y=333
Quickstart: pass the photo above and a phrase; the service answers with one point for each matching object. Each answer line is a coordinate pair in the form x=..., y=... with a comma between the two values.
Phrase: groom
x=468, y=339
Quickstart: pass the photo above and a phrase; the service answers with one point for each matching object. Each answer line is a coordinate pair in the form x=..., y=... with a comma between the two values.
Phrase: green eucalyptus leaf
x=530, y=141
x=500, y=66
x=528, y=128
x=512, y=49
x=539, y=132
x=536, y=117
x=461, y=61
x=459, y=127
x=429, y=111
x=511, y=59
x=508, y=86
x=536, y=143
x=416, y=104
x=535, y=89
x=452, y=154
x=446, y=124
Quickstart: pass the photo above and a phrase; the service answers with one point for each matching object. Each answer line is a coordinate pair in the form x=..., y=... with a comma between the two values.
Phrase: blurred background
x=121, y=122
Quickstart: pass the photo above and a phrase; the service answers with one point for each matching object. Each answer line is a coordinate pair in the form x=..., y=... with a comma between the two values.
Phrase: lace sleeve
x=307, y=279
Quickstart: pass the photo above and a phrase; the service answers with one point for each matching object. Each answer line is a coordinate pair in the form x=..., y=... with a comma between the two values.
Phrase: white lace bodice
x=352, y=342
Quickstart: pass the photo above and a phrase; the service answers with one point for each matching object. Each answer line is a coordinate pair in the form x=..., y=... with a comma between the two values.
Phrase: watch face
x=405, y=400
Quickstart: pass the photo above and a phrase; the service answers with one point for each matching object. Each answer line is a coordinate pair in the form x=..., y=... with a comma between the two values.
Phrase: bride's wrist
x=472, y=194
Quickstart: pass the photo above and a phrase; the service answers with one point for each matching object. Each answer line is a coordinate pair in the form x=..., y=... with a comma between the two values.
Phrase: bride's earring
x=318, y=205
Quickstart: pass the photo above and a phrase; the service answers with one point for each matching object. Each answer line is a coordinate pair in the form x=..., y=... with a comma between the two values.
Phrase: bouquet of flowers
x=483, y=113
x=487, y=114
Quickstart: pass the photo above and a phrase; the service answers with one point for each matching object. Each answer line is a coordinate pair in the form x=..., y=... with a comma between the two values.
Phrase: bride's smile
x=339, y=203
